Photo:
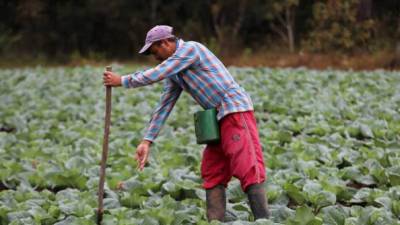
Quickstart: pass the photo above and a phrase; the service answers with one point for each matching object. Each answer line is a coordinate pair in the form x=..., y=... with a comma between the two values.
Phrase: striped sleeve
x=169, y=97
x=185, y=56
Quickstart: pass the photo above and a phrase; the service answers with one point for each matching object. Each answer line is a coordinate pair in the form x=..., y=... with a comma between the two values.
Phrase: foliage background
x=330, y=140
x=67, y=30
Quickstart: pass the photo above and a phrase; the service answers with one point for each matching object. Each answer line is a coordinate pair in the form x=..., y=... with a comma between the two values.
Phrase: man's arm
x=169, y=97
x=184, y=57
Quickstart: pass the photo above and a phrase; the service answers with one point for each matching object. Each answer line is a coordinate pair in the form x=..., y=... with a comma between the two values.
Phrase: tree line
x=60, y=29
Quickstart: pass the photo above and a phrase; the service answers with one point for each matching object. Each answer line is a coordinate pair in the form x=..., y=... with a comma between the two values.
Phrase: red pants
x=238, y=154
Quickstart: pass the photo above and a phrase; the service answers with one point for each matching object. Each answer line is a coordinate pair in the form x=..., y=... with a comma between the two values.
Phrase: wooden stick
x=107, y=121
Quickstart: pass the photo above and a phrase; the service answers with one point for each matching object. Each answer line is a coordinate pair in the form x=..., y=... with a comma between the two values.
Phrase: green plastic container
x=206, y=126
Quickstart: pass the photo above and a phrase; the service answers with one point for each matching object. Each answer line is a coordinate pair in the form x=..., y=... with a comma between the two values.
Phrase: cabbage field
x=331, y=143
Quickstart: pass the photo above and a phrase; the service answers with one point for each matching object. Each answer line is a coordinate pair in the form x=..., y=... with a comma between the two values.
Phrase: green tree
x=336, y=26
x=227, y=20
x=396, y=60
x=282, y=14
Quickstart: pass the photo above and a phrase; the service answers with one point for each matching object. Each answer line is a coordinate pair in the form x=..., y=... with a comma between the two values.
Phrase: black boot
x=216, y=203
x=258, y=201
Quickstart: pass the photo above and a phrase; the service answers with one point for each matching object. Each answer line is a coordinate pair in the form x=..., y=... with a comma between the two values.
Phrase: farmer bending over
x=190, y=66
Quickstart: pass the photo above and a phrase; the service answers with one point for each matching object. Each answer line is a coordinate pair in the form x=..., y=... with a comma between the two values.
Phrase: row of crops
x=331, y=143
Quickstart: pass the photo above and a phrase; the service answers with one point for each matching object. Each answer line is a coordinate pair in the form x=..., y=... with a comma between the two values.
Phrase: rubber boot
x=258, y=201
x=216, y=203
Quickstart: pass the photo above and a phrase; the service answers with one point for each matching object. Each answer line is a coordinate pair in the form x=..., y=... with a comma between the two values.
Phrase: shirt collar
x=178, y=42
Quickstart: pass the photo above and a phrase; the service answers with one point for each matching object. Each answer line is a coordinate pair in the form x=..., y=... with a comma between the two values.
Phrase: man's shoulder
x=193, y=43
x=190, y=44
x=199, y=47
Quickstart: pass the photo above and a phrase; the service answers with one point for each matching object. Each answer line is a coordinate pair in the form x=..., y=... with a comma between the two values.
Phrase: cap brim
x=145, y=49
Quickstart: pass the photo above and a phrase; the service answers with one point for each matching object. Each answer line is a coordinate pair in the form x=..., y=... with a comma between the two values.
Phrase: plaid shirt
x=198, y=71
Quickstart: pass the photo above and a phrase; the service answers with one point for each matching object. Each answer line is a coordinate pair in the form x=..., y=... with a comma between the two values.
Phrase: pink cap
x=156, y=33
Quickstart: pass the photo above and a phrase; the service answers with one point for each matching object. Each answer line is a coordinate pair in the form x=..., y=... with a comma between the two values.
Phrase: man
x=190, y=66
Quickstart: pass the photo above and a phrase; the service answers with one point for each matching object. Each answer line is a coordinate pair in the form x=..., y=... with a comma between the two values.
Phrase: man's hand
x=142, y=153
x=111, y=79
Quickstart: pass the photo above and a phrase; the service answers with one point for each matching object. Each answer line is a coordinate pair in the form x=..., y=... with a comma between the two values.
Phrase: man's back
x=208, y=80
